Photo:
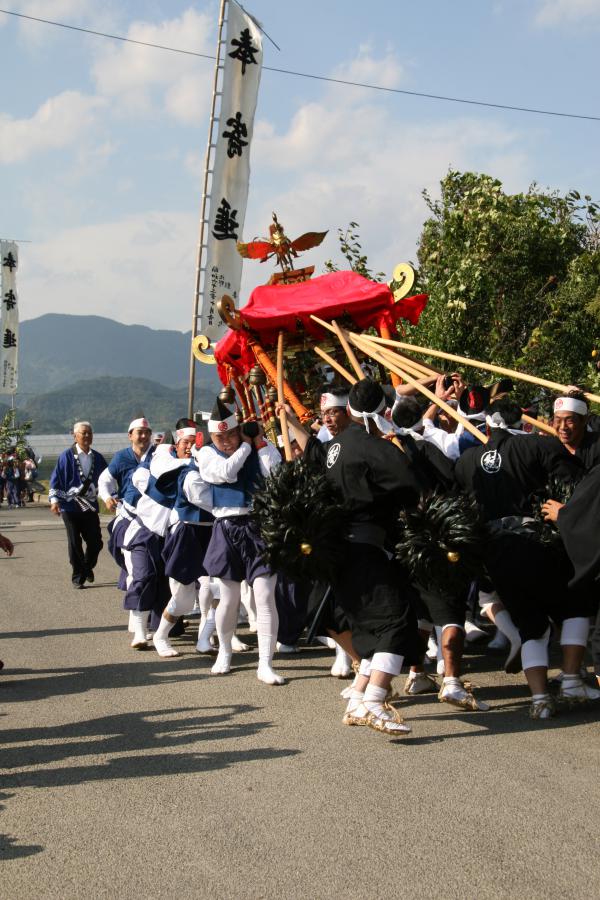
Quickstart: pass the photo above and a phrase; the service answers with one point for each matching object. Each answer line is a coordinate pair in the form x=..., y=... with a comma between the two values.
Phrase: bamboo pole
x=348, y=350
x=542, y=426
x=386, y=334
x=335, y=365
x=365, y=345
x=476, y=364
x=287, y=446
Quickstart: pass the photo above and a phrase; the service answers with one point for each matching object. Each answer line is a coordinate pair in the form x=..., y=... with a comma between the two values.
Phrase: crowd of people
x=17, y=478
x=185, y=538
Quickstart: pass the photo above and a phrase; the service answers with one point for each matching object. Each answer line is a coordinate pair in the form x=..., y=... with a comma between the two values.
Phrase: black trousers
x=83, y=527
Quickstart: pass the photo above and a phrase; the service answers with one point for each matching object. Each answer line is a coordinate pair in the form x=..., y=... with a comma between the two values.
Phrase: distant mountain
x=58, y=350
x=110, y=404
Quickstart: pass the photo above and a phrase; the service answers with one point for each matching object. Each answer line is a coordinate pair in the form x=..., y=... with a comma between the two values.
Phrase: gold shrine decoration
x=200, y=345
x=404, y=276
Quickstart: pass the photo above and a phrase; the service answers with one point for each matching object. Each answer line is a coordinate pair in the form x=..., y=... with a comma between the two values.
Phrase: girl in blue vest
x=233, y=465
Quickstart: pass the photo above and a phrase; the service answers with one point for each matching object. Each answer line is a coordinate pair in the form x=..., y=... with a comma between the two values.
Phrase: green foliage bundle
x=303, y=522
x=441, y=541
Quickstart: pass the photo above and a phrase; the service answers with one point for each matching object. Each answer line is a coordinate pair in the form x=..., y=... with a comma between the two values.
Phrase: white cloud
x=141, y=79
x=57, y=123
x=559, y=12
x=87, y=13
x=137, y=270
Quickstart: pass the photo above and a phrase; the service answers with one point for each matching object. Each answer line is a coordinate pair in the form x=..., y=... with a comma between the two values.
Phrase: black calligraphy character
x=10, y=261
x=225, y=222
x=235, y=144
x=10, y=339
x=244, y=51
x=10, y=299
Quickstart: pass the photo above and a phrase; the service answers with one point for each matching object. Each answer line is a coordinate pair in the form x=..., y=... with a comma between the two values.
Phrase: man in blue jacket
x=73, y=493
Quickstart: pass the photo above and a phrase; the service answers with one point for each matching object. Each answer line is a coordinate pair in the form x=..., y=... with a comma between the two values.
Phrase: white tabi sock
x=161, y=639
x=140, y=623
x=356, y=706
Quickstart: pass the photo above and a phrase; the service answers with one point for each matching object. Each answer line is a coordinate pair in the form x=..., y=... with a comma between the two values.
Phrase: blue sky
x=101, y=143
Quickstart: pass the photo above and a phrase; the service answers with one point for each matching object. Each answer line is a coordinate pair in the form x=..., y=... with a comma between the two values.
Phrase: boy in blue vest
x=232, y=466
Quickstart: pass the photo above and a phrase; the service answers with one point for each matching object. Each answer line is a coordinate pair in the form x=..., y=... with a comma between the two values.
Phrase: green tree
x=512, y=278
x=351, y=249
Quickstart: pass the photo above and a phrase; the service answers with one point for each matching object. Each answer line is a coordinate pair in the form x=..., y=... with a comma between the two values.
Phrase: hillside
x=59, y=350
x=110, y=404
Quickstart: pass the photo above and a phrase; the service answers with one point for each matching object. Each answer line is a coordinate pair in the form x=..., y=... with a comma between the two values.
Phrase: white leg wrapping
x=575, y=632
x=391, y=663
x=365, y=667
x=267, y=623
x=249, y=604
x=535, y=653
x=267, y=620
x=205, y=595
x=226, y=620
x=453, y=625
x=183, y=597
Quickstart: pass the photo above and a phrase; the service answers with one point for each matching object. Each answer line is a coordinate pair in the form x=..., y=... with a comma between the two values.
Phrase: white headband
x=330, y=400
x=138, y=423
x=571, y=404
x=382, y=423
x=222, y=425
x=496, y=420
x=184, y=432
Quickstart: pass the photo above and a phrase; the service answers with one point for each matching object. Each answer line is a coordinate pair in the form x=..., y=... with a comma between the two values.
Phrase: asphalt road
x=124, y=775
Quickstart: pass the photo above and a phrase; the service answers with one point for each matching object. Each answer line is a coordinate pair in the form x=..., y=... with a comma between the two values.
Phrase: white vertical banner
x=242, y=58
x=9, y=323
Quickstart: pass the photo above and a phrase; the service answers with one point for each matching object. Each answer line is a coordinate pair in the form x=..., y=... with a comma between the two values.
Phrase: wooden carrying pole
x=365, y=345
x=287, y=446
x=413, y=370
x=476, y=364
x=348, y=350
x=335, y=365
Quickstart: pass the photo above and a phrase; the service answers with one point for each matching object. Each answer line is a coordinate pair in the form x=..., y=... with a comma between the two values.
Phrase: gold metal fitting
x=452, y=556
x=306, y=549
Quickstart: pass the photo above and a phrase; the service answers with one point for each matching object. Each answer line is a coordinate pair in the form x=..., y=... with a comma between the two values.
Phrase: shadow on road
x=9, y=849
x=111, y=676
x=140, y=733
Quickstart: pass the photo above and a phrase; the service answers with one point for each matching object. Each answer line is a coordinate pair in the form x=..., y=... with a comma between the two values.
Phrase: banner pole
x=209, y=147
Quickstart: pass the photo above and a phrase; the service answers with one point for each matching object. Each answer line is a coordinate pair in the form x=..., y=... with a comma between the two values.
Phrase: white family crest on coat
x=332, y=454
x=491, y=462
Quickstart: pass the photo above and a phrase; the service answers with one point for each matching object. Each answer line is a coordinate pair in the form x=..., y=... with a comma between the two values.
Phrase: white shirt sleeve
x=107, y=485
x=269, y=458
x=198, y=491
x=217, y=469
x=447, y=443
x=140, y=479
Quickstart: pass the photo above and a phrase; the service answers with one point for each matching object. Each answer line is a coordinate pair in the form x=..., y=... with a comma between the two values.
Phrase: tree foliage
x=13, y=434
x=512, y=278
x=351, y=249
